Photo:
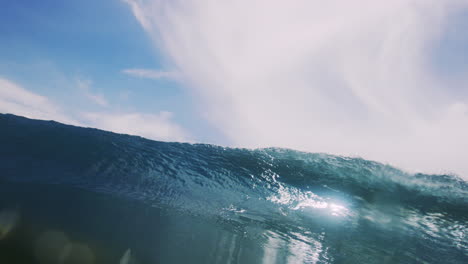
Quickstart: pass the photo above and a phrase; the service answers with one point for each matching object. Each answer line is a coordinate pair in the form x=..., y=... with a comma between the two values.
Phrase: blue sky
x=49, y=47
x=384, y=80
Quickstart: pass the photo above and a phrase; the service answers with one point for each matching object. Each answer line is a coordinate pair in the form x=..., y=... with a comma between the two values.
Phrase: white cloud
x=85, y=87
x=153, y=126
x=344, y=77
x=17, y=100
x=151, y=74
x=139, y=14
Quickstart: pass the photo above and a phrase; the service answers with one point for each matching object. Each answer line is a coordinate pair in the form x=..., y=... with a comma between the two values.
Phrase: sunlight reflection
x=271, y=248
x=298, y=200
x=8, y=221
x=55, y=247
x=303, y=250
x=332, y=208
x=294, y=249
x=126, y=258
x=52, y=247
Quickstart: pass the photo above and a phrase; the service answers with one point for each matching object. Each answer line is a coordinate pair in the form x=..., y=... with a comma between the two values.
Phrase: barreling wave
x=295, y=207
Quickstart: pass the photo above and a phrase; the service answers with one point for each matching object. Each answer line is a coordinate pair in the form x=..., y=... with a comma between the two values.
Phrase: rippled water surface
x=76, y=195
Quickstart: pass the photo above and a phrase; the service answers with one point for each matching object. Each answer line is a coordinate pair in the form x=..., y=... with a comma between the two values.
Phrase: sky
x=382, y=80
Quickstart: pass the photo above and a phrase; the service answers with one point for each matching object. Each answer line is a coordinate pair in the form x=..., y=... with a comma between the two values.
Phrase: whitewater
x=80, y=195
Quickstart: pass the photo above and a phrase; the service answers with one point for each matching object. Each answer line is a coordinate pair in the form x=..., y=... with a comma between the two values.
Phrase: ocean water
x=80, y=195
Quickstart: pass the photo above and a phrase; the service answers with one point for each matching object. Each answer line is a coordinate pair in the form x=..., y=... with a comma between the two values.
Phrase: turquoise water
x=79, y=195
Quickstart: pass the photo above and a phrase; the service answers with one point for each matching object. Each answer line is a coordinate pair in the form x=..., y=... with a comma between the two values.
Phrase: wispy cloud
x=344, y=77
x=139, y=14
x=85, y=87
x=17, y=100
x=154, y=126
x=151, y=74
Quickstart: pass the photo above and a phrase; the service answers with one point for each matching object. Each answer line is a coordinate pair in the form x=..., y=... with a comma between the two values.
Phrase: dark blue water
x=79, y=195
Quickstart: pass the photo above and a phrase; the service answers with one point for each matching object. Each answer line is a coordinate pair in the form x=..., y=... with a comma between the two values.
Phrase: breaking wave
x=196, y=203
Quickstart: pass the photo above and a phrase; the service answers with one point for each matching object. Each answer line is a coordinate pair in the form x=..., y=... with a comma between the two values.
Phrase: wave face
x=184, y=203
